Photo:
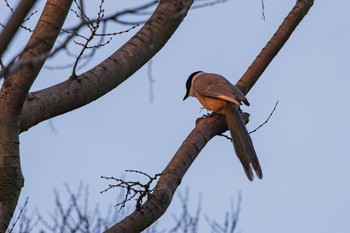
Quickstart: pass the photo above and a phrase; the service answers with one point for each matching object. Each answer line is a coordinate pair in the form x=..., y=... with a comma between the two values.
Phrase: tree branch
x=274, y=45
x=12, y=95
x=87, y=87
x=204, y=131
x=17, y=85
x=14, y=23
x=171, y=177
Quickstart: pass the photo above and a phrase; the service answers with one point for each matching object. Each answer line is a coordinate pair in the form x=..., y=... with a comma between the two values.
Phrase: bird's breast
x=213, y=104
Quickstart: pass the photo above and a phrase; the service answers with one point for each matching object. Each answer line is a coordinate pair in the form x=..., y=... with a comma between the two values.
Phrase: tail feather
x=242, y=142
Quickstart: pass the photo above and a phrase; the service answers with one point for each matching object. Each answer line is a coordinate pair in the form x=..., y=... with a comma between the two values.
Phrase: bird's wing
x=216, y=86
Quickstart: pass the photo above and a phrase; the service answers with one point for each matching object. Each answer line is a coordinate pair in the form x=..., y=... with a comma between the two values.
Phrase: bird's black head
x=189, y=82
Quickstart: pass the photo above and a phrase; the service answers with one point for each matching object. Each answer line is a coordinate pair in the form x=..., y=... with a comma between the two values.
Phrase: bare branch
x=116, y=17
x=19, y=215
x=268, y=118
x=231, y=219
x=133, y=188
x=154, y=207
x=201, y=4
x=12, y=96
x=74, y=93
x=94, y=34
x=14, y=23
x=274, y=45
x=191, y=147
x=2, y=66
x=187, y=222
x=15, y=64
x=150, y=81
x=245, y=117
x=262, y=10
x=25, y=20
x=93, y=25
x=93, y=30
x=81, y=14
x=76, y=215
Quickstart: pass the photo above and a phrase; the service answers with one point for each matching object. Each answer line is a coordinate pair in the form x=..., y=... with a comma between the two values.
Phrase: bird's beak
x=185, y=97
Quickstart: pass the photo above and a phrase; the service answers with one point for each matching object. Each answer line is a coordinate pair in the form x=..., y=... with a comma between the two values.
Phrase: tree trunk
x=12, y=96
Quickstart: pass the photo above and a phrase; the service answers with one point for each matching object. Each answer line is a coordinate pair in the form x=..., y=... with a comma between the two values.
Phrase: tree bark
x=12, y=95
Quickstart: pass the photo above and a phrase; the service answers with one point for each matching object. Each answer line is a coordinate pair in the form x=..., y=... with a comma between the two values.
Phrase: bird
x=217, y=94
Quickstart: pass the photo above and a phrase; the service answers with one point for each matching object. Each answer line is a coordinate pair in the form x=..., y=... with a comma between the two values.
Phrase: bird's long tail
x=242, y=142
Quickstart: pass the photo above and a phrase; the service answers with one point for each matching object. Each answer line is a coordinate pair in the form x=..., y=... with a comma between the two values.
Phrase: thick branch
x=14, y=23
x=171, y=177
x=17, y=85
x=274, y=45
x=13, y=93
x=87, y=87
x=205, y=130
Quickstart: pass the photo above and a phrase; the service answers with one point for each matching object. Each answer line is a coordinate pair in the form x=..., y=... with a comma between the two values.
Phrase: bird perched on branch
x=217, y=94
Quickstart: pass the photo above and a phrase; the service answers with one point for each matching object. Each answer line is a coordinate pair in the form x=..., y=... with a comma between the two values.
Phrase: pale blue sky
x=303, y=149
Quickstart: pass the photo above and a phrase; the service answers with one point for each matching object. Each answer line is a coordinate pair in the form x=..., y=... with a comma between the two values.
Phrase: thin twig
x=150, y=81
x=206, y=4
x=133, y=188
x=273, y=110
x=225, y=136
x=262, y=10
x=24, y=20
x=20, y=213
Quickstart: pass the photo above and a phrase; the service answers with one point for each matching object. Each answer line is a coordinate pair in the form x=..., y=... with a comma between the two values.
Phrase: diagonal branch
x=91, y=85
x=274, y=45
x=171, y=177
x=206, y=129
x=14, y=23
x=17, y=85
